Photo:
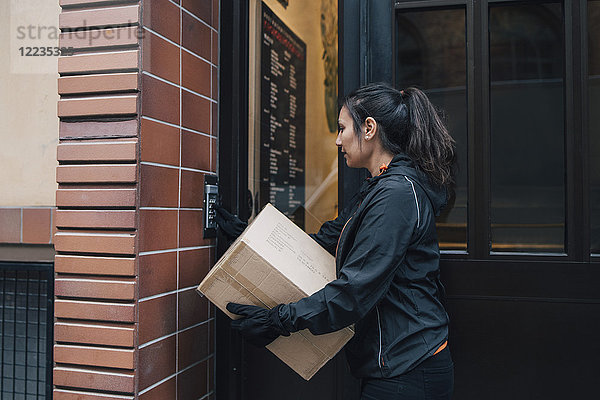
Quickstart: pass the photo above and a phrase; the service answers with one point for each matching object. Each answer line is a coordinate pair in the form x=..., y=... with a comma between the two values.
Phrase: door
x=284, y=90
x=519, y=243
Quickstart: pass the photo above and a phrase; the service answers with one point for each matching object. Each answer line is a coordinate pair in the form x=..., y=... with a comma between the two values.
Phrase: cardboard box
x=275, y=262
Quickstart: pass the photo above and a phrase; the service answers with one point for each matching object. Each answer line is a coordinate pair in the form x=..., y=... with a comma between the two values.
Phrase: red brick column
x=178, y=148
x=137, y=135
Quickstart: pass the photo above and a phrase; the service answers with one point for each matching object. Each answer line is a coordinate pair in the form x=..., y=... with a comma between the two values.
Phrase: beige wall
x=304, y=19
x=28, y=97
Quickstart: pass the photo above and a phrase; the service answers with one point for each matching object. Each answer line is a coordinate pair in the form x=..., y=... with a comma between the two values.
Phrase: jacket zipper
x=344, y=227
x=340, y=238
x=379, y=357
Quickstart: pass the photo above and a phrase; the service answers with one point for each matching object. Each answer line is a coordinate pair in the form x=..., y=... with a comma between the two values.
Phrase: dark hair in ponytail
x=407, y=123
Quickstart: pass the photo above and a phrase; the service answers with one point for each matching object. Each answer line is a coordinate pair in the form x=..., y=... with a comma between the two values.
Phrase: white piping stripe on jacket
x=379, y=326
x=416, y=201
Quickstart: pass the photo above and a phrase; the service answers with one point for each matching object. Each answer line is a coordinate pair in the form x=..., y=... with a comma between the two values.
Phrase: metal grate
x=26, y=312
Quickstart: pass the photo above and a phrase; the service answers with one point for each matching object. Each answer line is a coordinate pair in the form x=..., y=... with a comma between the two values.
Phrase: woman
x=386, y=252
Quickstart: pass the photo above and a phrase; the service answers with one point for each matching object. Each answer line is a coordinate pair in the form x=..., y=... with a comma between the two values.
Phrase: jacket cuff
x=285, y=318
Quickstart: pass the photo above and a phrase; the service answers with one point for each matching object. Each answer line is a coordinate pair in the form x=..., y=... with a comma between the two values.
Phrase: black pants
x=433, y=379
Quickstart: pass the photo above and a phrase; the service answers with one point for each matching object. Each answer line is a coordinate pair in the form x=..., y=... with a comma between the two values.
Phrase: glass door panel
x=431, y=55
x=293, y=159
x=527, y=127
x=293, y=109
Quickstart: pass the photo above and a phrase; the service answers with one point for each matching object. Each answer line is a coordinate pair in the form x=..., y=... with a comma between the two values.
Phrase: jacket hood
x=402, y=165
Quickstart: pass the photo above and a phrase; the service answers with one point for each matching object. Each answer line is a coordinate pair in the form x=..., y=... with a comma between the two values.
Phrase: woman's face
x=348, y=141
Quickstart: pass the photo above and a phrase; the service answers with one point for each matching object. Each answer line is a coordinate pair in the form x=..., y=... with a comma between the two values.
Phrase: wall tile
x=64, y=394
x=94, y=356
x=192, y=384
x=157, y=317
x=158, y=230
x=94, y=129
x=163, y=17
x=102, y=173
x=69, y=264
x=90, y=151
x=125, y=36
x=159, y=143
x=211, y=379
x=53, y=223
x=160, y=57
x=36, y=225
x=215, y=48
x=95, y=197
x=192, y=189
x=196, y=36
x=193, y=266
x=211, y=309
x=94, y=379
x=83, y=3
x=106, y=105
x=10, y=225
x=105, y=61
x=195, y=112
x=118, y=82
x=99, y=311
x=99, y=17
x=215, y=14
x=157, y=361
x=211, y=331
x=160, y=100
x=195, y=150
x=191, y=229
x=95, y=219
x=193, y=308
x=94, y=242
x=195, y=74
x=96, y=288
x=159, y=186
x=158, y=273
x=165, y=391
x=215, y=83
x=192, y=346
x=95, y=333
x=201, y=9
x=213, y=149
x=215, y=120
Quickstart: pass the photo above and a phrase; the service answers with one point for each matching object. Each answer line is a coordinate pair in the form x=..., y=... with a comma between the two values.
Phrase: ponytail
x=429, y=144
x=407, y=123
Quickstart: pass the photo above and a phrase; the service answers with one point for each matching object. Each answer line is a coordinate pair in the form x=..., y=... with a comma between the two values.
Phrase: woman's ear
x=370, y=128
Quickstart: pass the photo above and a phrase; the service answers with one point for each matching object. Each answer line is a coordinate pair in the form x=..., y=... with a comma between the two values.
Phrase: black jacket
x=387, y=257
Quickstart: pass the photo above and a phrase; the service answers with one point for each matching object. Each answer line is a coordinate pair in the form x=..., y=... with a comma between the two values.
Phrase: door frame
x=232, y=172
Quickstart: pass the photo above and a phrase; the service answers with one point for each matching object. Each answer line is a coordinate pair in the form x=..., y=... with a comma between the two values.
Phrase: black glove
x=260, y=326
x=230, y=224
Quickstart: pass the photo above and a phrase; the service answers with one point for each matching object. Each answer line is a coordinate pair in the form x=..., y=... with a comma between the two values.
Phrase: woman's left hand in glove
x=258, y=325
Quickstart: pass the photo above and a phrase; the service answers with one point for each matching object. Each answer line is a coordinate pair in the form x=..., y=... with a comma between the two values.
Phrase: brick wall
x=26, y=225
x=137, y=136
